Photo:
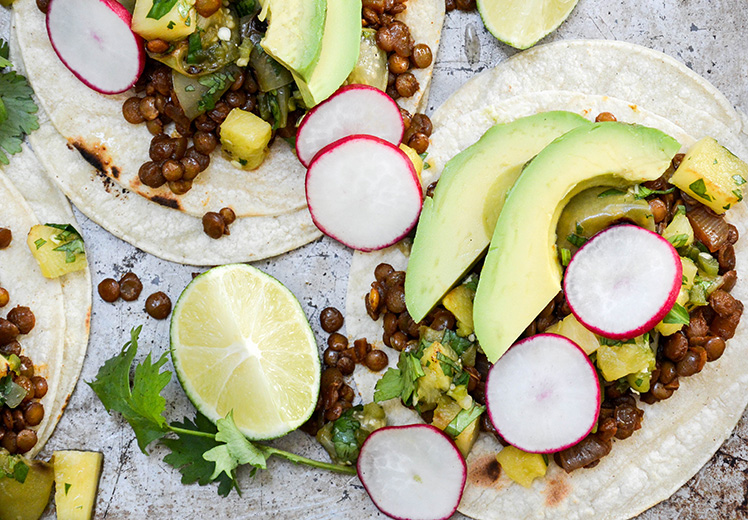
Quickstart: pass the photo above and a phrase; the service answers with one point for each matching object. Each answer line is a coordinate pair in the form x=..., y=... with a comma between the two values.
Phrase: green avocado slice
x=339, y=54
x=456, y=225
x=294, y=35
x=521, y=273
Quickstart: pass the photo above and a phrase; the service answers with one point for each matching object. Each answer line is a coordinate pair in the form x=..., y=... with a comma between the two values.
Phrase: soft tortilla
x=678, y=436
x=50, y=205
x=21, y=276
x=94, y=123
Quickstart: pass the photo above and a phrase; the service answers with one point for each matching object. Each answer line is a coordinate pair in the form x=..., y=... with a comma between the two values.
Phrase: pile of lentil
x=340, y=360
x=17, y=434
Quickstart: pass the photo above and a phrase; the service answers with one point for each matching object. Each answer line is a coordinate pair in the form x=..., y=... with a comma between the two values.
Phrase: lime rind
x=523, y=23
x=281, y=396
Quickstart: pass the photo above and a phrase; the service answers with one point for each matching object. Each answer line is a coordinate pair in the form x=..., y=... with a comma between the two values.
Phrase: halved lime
x=240, y=341
x=521, y=23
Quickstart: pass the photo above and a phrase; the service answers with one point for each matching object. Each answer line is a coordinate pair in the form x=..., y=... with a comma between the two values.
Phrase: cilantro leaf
x=389, y=386
x=187, y=454
x=677, y=315
x=344, y=435
x=236, y=451
x=455, y=342
x=141, y=403
x=463, y=419
x=15, y=93
x=160, y=8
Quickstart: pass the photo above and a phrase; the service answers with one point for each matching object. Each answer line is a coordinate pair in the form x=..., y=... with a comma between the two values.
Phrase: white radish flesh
x=352, y=110
x=623, y=281
x=543, y=394
x=94, y=40
x=363, y=192
x=412, y=472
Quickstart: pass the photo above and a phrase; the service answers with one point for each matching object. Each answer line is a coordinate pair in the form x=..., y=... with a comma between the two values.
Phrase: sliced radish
x=364, y=192
x=94, y=40
x=414, y=472
x=623, y=281
x=352, y=110
x=543, y=394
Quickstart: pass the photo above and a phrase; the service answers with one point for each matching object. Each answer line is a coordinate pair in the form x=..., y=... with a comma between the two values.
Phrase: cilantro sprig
x=17, y=108
x=201, y=451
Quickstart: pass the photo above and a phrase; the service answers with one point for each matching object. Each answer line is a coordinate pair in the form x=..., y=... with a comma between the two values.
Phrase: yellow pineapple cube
x=245, y=138
x=58, y=248
x=76, y=482
x=711, y=174
x=520, y=466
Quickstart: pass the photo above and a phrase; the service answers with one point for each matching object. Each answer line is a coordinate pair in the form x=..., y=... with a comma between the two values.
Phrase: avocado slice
x=339, y=53
x=456, y=225
x=294, y=35
x=27, y=500
x=521, y=273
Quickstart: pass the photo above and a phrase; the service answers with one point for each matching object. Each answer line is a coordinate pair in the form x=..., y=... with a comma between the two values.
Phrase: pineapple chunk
x=465, y=440
x=176, y=24
x=414, y=158
x=621, y=360
x=27, y=500
x=446, y=410
x=4, y=366
x=711, y=174
x=76, y=481
x=245, y=138
x=570, y=328
x=689, y=272
x=434, y=383
x=679, y=232
x=520, y=466
x=57, y=248
x=459, y=301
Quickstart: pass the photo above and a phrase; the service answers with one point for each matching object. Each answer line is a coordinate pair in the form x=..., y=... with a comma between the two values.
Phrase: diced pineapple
x=414, y=158
x=434, y=383
x=446, y=410
x=4, y=366
x=76, y=481
x=459, y=301
x=27, y=500
x=617, y=361
x=679, y=232
x=245, y=138
x=176, y=24
x=520, y=466
x=57, y=248
x=711, y=174
x=465, y=440
x=689, y=272
x=570, y=328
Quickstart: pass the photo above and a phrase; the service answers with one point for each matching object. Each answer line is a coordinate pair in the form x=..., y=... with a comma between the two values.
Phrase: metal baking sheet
x=708, y=36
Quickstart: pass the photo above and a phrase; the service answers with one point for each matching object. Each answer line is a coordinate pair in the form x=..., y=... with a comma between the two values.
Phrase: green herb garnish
x=202, y=452
x=611, y=191
x=463, y=419
x=739, y=180
x=160, y=8
x=699, y=188
x=17, y=116
x=678, y=314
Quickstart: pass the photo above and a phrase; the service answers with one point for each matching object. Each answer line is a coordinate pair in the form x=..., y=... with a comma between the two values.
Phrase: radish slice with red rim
x=363, y=192
x=543, y=394
x=94, y=40
x=414, y=472
x=352, y=110
x=623, y=281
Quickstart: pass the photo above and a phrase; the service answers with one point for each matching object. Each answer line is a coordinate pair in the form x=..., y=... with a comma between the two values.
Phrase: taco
x=677, y=436
x=51, y=352
x=268, y=202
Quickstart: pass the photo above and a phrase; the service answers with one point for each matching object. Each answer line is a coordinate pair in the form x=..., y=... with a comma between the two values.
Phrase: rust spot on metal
x=164, y=201
x=484, y=472
x=557, y=489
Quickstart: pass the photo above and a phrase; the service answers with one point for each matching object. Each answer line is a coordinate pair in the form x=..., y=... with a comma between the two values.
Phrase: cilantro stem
x=298, y=459
x=192, y=432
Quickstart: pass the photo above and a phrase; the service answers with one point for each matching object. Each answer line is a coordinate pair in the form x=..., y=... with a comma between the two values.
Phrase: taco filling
x=221, y=86
x=441, y=370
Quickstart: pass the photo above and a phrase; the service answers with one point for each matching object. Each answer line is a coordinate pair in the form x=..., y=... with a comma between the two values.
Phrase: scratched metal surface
x=708, y=35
